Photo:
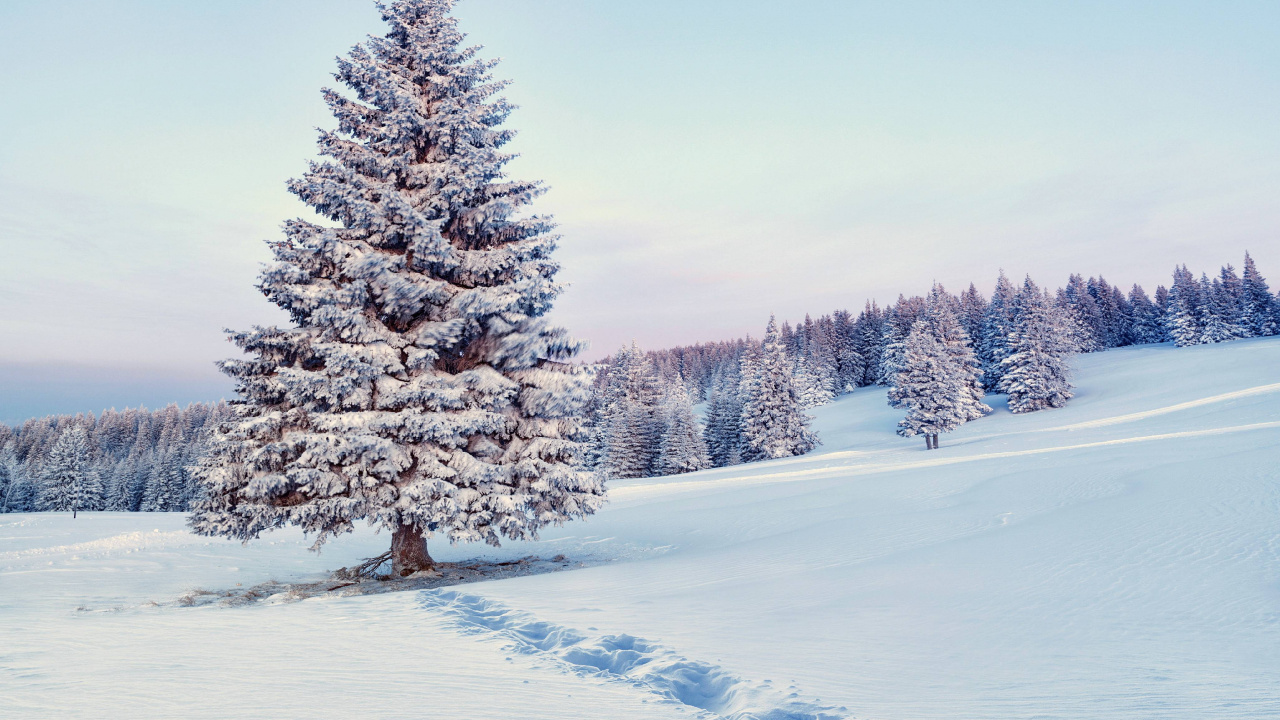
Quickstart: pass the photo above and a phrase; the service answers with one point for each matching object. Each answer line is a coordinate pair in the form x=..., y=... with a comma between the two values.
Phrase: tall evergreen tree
x=1219, y=311
x=773, y=424
x=938, y=384
x=1089, y=330
x=1037, y=372
x=70, y=483
x=12, y=479
x=683, y=448
x=1258, y=307
x=1184, y=316
x=724, y=420
x=634, y=423
x=419, y=387
x=851, y=366
x=811, y=388
x=972, y=313
x=869, y=334
x=1147, y=326
x=993, y=338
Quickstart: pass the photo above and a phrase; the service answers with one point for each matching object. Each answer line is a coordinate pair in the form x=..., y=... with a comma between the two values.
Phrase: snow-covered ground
x=1119, y=558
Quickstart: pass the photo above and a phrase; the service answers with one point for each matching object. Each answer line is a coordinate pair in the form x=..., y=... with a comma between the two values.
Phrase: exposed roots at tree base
x=363, y=579
x=365, y=570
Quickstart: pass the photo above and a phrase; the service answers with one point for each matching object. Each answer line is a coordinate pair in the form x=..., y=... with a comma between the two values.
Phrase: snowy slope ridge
x=644, y=665
x=1117, y=558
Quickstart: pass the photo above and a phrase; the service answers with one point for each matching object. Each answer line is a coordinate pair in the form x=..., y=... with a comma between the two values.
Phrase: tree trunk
x=935, y=441
x=409, y=551
x=927, y=446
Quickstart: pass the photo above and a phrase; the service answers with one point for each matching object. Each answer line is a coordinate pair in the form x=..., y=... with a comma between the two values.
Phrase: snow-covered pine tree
x=419, y=387
x=972, y=310
x=1233, y=290
x=869, y=332
x=921, y=385
x=1161, y=300
x=811, y=391
x=1258, y=311
x=1146, y=327
x=10, y=474
x=959, y=347
x=119, y=488
x=993, y=341
x=850, y=365
x=898, y=321
x=1220, y=313
x=633, y=426
x=938, y=383
x=724, y=419
x=1037, y=372
x=683, y=448
x=1184, y=316
x=773, y=424
x=1087, y=326
x=69, y=482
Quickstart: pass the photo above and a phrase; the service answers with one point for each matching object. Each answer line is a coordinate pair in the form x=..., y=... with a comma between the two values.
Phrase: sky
x=711, y=162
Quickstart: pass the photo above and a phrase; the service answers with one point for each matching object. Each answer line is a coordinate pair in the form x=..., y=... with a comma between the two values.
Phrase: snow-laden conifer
x=1037, y=373
x=633, y=416
x=811, y=388
x=938, y=383
x=1184, y=318
x=1146, y=326
x=1257, y=306
x=1088, y=326
x=992, y=345
x=724, y=419
x=773, y=423
x=70, y=483
x=12, y=478
x=418, y=388
x=1219, y=312
x=683, y=448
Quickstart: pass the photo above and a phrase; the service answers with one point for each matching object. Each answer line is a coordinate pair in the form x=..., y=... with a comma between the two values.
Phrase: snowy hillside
x=1118, y=558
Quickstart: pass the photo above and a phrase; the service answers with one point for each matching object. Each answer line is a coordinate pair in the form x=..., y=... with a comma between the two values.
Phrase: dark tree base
x=409, y=552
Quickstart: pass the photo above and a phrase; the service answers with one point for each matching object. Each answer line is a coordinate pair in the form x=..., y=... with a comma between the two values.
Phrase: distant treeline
x=636, y=390
x=130, y=460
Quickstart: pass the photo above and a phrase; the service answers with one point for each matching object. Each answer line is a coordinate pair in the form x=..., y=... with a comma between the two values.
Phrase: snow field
x=1117, y=558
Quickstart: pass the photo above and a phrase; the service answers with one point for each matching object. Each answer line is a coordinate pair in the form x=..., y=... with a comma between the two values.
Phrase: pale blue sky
x=710, y=161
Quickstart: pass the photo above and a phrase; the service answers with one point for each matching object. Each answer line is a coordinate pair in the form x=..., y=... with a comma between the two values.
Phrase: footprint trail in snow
x=635, y=661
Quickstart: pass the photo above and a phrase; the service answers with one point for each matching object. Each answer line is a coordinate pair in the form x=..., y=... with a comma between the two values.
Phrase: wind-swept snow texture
x=1116, y=558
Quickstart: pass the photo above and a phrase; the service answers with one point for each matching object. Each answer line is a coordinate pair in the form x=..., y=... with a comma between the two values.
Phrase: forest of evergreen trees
x=131, y=460
x=641, y=420
x=1016, y=342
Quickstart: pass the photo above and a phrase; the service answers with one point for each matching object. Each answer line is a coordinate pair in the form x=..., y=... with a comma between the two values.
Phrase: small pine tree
x=70, y=482
x=1037, y=371
x=773, y=424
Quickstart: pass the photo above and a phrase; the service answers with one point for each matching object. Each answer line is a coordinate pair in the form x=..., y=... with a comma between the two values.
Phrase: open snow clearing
x=1117, y=558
